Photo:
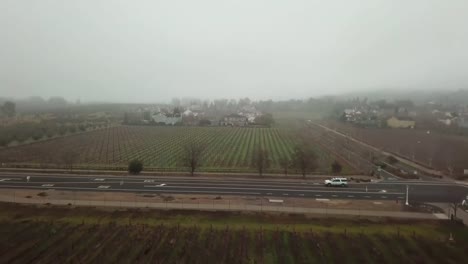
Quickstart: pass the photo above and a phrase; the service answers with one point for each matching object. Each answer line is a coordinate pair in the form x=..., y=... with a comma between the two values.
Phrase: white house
x=159, y=118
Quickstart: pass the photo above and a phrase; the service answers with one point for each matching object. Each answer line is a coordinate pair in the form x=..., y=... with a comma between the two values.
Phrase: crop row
x=163, y=147
x=44, y=242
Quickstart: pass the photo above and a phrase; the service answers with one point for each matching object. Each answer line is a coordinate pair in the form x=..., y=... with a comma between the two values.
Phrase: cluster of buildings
x=245, y=116
x=426, y=116
x=373, y=117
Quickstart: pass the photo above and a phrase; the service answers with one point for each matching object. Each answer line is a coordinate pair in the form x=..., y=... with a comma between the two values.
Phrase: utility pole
x=407, y=190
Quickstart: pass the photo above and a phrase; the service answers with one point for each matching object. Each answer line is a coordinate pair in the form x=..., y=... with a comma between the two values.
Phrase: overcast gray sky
x=155, y=50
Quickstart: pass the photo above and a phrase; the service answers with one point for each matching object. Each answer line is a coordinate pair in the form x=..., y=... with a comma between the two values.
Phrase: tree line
x=303, y=160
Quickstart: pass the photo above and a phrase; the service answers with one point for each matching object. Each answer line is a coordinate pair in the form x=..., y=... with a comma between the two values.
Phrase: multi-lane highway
x=388, y=190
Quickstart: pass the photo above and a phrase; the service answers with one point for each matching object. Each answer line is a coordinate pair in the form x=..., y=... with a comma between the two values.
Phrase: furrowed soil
x=32, y=234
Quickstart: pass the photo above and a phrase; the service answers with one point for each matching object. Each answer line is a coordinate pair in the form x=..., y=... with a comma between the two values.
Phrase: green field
x=84, y=235
x=161, y=148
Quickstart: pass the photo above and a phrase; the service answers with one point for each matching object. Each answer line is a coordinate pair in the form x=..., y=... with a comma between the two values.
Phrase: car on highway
x=340, y=182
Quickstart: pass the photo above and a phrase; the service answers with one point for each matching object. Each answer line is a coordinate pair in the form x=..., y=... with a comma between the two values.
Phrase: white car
x=341, y=182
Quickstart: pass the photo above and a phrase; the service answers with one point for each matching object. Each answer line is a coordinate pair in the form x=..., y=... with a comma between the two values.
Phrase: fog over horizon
x=152, y=51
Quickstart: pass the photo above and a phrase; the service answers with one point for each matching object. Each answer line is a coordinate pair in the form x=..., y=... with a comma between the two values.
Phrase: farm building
x=395, y=122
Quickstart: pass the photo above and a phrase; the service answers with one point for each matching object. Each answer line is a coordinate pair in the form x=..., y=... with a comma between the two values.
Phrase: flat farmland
x=447, y=153
x=227, y=148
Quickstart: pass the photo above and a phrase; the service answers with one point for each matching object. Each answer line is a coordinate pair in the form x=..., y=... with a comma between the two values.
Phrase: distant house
x=234, y=120
x=166, y=119
x=395, y=122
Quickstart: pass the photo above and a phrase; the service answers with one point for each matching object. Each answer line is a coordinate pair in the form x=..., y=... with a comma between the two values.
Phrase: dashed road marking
x=383, y=197
x=334, y=195
x=318, y=195
x=47, y=185
x=301, y=194
x=350, y=195
x=285, y=194
x=148, y=181
x=103, y=187
x=99, y=179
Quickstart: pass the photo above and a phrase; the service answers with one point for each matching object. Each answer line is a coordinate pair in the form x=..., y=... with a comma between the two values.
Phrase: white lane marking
x=99, y=179
x=259, y=189
x=285, y=194
x=138, y=190
x=301, y=194
x=103, y=187
x=318, y=195
x=47, y=185
x=383, y=196
x=162, y=184
x=275, y=201
x=334, y=195
x=323, y=200
x=4, y=180
x=350, y=195
x=148, y=181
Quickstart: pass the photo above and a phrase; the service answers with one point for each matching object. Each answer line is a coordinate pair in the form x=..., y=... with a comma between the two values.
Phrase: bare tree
x=192, y=155
x=304, y=159
x=69, y=157
x=336, y=167
x=285, y=163
x=260, y=159
x=454, y=207
x=449, y=161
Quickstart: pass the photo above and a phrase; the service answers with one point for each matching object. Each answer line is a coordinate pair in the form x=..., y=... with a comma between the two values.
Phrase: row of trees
x=303, y=160
x=36, y=131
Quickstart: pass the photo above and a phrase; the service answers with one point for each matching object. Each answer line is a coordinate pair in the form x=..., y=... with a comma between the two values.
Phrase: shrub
x=135, y=167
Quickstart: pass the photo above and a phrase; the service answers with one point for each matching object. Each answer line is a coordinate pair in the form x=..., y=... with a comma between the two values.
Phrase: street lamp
x=407, y=191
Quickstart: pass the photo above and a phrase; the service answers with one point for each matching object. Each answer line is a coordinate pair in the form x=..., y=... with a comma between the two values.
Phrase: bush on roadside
x=135, y=167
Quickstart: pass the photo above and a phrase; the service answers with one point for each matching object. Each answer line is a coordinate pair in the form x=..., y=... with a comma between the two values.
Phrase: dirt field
x=447, y=153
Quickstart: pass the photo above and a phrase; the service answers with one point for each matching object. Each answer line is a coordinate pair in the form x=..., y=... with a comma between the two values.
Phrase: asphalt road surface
x=419, y=191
